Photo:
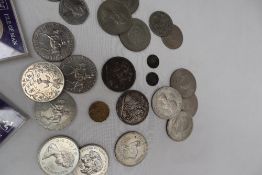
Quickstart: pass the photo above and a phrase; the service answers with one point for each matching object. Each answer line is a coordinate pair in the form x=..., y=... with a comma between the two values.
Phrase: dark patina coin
x=152, y=79
x=98, y=111
x=160, y=23
x=152, y=61
x=132, y=107
x=175, y=38
x=118, y=74
x=79, y=72
x=131, y=5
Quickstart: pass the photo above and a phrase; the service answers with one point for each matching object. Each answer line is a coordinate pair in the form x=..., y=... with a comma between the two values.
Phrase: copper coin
x=99, y=111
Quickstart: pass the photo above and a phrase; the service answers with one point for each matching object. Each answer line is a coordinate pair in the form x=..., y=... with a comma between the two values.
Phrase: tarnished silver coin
x=131, y=5
x=166, y=103
x=53, y=41
x=160, y=23
x=1, y=29
x=73, y=11
x=59, y=155
x=184, y=81
x=93, y=161
x=42, y=82
x=80, y=73
x=114, y=17
x=131, y=148
x=180, y=127
x=57, y=114
x=190, y=105
x=132, y=107
x=175, y=38
x=138, y=37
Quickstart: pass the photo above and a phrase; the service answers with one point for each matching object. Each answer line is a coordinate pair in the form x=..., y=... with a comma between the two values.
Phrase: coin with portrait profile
x=99, y=111
x=1, y=29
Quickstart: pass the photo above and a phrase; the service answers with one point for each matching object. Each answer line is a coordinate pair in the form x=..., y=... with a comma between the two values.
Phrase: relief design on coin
x=59, y=155
x=73, y=11
x=57, y=114
x=42, y=82
x=190, y=105
x=160, y=23
x=53, y=41
x=132, y=107
x=1, y=29
x=131, y=148
x=166, y=103
x=80, y=73
x=93, y=161
x=174, y=39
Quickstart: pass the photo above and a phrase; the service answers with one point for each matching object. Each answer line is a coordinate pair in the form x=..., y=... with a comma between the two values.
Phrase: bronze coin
x=99, y=111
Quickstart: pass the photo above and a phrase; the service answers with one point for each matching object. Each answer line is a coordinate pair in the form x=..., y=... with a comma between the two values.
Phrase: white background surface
x=222, y=47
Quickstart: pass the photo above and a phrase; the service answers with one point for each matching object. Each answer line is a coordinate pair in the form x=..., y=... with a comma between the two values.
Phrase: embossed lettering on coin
x=42, y=82
x=190, y=105
x=99, y=111
x=160, y=23
x=131, y=148
x=131, y=5
x=1, y=29
x=174, y=39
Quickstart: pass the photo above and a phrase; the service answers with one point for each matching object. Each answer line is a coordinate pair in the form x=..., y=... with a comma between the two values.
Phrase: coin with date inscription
x=1, y=29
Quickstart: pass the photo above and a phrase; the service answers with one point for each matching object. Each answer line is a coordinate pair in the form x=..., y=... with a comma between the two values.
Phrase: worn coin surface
x=53, y=41
x=180, y=127
x=132, y=107
x=1, y=29
x=184, y=81
x=153, y=61
x=56, y=114
x=152, y=79
x=114, y=17
x=118, y=74
x=99, y=111
x=131, y=148
x=138, y=37
x=175, y=38
x=160, y=23
x=80, y=73
x=131, y=5
x=42, y=82
x=166, y=102
x=59, y=155
x=93, y=161
x=190, y=105
x=73, y=11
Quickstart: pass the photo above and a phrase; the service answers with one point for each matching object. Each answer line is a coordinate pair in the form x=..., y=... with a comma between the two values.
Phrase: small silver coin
x=93, y=161
x=160, y=23
x=53, y=41
x=180, y=127
x=1, y=29
x=138, y=37
x=80, y=73
x=59, y=155
x=131, y=148
x=42, y=82
x=175, y=38
x=73, y=11
x=132, y=5
x=57, y=114
x=184, y=81
x=166, y=103
x=190, y=105
x=114, y=17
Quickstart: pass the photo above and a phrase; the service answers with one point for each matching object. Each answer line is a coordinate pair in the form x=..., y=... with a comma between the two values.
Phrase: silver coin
x=190, y=105
x=160, y=23
x=42, y=82
x=180, y=127
x=166, y=103
x=59, y=155
x=93, y=161
x=57, y=114
x=1, y=29
x=138, y=37
x=80, y=73
x=53, y=41
x=131, y=5
x=114, y=17
x=73, y=11
x=131, y=148
x=174, y=39
x=184, y=81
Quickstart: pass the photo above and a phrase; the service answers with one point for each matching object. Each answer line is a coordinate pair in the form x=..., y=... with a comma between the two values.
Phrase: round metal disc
x=175, y=38
x=1, y=29
x=131, y=5
x=190, y=105
x=153, y=61
x=160, y=23
x=152, y=79
x=99, y=111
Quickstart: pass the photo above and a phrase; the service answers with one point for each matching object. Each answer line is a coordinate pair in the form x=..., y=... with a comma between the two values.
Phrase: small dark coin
x=152, y=61
x=138, y=37
x=80, y=73
x=118, y=74
x=132, y=5
x=190, y=105
x=132, y=107
x=175, y=38
x=99, y=111
x=152, y=79
x=183, y=81
x=160, y=23
x=73, y=11
x=114, y=17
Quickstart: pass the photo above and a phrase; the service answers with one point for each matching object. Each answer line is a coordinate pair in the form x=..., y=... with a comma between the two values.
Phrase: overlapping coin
x=57, y=114
x=42, y=82
x=160, y=23
x=174, y=39
x=131, y=148
x=53, y=41
x=59, y=155
x=190, y=105
x=98, y=111
x=1, y=29
x=131, y=5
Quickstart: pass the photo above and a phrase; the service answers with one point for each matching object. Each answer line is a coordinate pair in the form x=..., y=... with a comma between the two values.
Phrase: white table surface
x=222, y=47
